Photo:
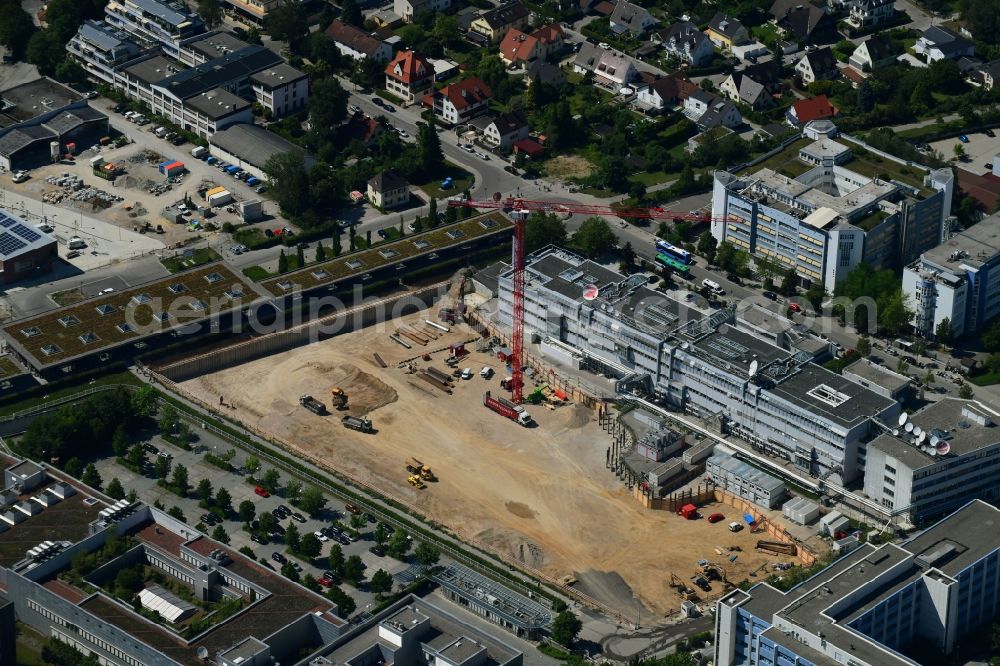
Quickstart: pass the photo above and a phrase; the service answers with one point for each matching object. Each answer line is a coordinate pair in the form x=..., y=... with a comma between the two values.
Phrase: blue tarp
x=748, y=518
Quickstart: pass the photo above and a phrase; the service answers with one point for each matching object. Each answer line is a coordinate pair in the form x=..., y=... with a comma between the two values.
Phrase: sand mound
x=520, y=510
x=607, y=586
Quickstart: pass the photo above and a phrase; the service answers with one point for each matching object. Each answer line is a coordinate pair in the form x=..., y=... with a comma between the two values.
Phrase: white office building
x=821, y=217
x=788, y=407
x=958, y=280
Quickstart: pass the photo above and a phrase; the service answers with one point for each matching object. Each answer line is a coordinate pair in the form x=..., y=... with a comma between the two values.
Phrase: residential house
x=546, y=73
x=709, y=110
x=801, y=20
x=522, y=49
x=807, y=110
x=460, y=102
x=817, y=65
x=726, y=32
x=356, y=43
x=686, y=42
x=505, y=130
x=937, y=43
x=407, y=9
x=663, y=93
x=875, y=52
x=360, y=127
x=387, y=190
x=870, y=14
x=492, y=25
x=755, y=86
x=612, y=69
x=408, y=76
x=988, y=74
x=631, y=18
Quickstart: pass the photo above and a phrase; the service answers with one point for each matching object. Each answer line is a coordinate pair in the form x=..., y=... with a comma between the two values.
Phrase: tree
x=247, y=510
x=289, y=572
x=300, y=256
x=959, y=151
x=176, y=512
x=426, y=554
x=119, y=443
x=220, y=534
x=864, y=346
x=310, y=546
x=565, y=628
x=312, y=501
x=815, y=295
x=252, y=465
x=91, y=477
x=354, y=570
x=345, y=602
x=289, y=182
x=327, y=106
x=943, y=331
x=288, y=23
x=223, y=500
x=293, y=538
x=115, y=490
x=267, y=522
x=270, y=480
x=128, y=581
x=707, y=246
x=179, y=480
x=204, y=491
x=46, y=51
x=789, y=280
x=594, y=237
x=380, y=535
x=399, y=544
x=965, y=391
x=429, y=148
x=350, y=13
x=309, y=582
x=161, y=467
x=381, y=582
x=865, y=99
x=210, y=12
x=282, y=262
x=335, y=560
x=16, y=29
x=168, y=419
x=320, y=252
x=541, y=229
x=357, y=521
x=894, y=315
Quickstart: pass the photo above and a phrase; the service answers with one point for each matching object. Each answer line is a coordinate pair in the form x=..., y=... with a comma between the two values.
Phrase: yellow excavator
x=415, y=481
x=416, y=467
x=339, y=397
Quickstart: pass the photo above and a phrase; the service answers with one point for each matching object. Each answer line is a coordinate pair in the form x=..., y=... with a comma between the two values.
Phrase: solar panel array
x=6, y=221
x=9, y=244
x=26, y=233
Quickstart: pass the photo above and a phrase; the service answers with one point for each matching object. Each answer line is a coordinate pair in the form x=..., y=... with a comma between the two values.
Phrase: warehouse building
x=746, y=481
x=25, y=252
x=940, y=458
x=870, y=607
x=958, y=280
x=251, y=146
x=39, y=118
x=778, y=400
x=822, y=218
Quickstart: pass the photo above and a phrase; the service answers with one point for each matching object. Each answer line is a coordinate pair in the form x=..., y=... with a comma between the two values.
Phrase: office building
x=945, y=455
x=788, y=407
x=870, y=607
x=958, y=280
x=162, y=23
x=825, y=210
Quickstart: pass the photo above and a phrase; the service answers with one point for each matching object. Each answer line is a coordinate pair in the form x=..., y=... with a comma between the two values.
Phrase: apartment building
x=164, y=23
x=788, y=407
x=280, y=89
x=868, y=607
x=100, y=48
x=958, y=280
x=821, y=217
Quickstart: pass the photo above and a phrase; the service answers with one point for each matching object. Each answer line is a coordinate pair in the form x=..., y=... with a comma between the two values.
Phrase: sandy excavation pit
x=541, y=495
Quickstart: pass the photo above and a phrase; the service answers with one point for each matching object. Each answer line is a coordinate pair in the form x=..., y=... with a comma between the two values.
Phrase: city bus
x=666, y=261
x=680, y=254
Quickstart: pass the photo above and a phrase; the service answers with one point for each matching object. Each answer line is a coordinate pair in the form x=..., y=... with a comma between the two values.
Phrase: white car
x=468, y=148
x=482, y=156
x=354, y=108
x=322, y=537
x=604, y=45
x=402, y=133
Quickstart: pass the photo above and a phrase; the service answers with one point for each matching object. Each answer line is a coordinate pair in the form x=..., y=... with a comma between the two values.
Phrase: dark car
x=257, y=538
x=383, y=234
x=990, y=133
x=734, y=278
x=278, y=557
x=370, y=518
x=377, y=550
x=297, y=517
x=344, y=540
x=389, y=107
x=377, y=101
x=277, y=529
x=510, y=169
x=770, y=294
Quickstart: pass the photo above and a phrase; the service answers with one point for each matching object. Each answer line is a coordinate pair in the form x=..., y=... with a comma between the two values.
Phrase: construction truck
x=506, y=408
x=339, y=397
x=414, y=466
x=363, y=424
x=312, y=404
x=415, y=481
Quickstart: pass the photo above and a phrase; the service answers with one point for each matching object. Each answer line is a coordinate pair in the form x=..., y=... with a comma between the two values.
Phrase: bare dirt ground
x=568, y=166
x=541, y=495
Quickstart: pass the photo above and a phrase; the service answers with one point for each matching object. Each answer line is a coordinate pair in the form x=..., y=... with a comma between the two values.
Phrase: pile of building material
x=437, y=379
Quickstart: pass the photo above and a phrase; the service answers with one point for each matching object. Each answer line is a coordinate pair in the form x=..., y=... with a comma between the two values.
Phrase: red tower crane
x=520, y=208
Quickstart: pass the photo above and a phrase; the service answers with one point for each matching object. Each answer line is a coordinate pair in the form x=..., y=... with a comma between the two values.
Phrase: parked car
x=257, y=538
x=716, y=517
x=389, y=107
x=297, y=517
x=795, y=307
x=377, y=550
x=770, y=294
x=377, y=101
x=322, y=537
x=510, y=169
x=963, y=138
x=259, y=490
x=383, y=234
x=467, y=147
x=354, y=108
x=324, y=581
x=278, y=557
x=352, y=507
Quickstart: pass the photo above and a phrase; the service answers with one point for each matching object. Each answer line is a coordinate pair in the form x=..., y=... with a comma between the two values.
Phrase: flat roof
x=280, y=75
x=877, y=374
x=387, y=254
x=806, y=388
x=516, y=608
x=219, y=71
x=254, y=144
x=155, y=68
x=972, y=247
x=217, y=103
x=128, y=316
x=17, y=237
x=34, y=98
x=215, y=44
x=174, y=13
x=949, y=421
x=66, y=520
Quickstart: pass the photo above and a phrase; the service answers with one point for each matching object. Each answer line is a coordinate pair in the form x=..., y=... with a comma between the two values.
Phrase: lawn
x=23, y=403
x=186, y=259
x=765, y=34
x=786, y=162
x=986, y=379
x=68, y=297
x=461, y=181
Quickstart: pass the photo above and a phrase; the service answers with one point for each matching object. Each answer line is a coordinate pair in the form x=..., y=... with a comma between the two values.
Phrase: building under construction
x=488, y=598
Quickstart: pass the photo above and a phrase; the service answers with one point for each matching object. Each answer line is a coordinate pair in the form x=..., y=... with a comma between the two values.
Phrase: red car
x=794, y=307
x=716, y=517
x=261, y=491
x=325, y=582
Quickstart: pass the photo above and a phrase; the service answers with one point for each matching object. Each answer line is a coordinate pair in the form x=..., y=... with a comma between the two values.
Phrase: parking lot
x=979, y=151
x=241, y=488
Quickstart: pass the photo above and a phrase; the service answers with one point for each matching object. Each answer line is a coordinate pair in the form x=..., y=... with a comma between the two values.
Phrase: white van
x=713, y=287
x=486, y=372
x=76, y=243
x=467, y=373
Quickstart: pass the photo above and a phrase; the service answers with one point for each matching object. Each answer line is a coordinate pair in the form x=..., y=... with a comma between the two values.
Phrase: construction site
x=399, y=406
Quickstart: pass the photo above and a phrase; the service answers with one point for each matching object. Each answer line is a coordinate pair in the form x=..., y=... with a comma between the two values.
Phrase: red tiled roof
x=814, y=109
x=466, y=93
x=361, y=127
x=517, y=46
x=529, y=146
x=851, y=74
x=548, y=34
x=358, y=40
x=412, y=67
x=604, y=8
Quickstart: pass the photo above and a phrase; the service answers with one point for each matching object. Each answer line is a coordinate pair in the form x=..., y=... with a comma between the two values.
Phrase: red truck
x=507, y=408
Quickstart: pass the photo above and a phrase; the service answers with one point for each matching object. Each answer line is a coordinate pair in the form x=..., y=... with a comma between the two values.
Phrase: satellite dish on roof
x=895, y=432
x=590, y=292
x=934, y=440
x=754, y=365
x=203, y=652
x=943, y=448
x=908, y=427
x=902, y=418
x=921, y=437
x=917, y=431
x=931, y=451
